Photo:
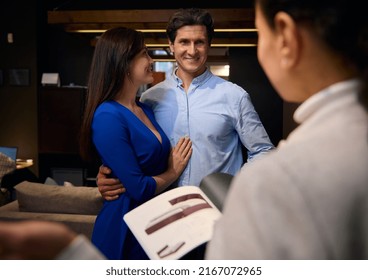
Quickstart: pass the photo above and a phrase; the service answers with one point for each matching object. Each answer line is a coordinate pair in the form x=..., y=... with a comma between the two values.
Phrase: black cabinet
x=60, y=117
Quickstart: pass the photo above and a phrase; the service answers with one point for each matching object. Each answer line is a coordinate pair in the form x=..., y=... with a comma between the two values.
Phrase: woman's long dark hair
x=341, y=24
x=114, y=51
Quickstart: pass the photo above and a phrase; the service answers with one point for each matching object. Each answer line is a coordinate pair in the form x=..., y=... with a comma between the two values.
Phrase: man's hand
x=33, y=240
x=110, y=188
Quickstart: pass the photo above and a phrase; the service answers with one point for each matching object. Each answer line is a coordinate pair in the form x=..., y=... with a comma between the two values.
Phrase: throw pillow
x=36, y=197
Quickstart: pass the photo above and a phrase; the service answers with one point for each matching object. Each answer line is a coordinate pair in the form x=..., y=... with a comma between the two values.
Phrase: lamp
x=50, y=79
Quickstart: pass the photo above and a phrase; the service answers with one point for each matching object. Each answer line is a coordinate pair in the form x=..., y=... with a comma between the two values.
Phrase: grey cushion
x=35, y=197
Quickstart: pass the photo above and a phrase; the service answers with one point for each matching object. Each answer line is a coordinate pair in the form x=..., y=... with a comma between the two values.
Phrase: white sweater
x=308, y=199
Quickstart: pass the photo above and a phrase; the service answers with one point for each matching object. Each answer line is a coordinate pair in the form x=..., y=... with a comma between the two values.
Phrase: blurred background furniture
x=12, y=172
x=7, y=165
x=74, y=206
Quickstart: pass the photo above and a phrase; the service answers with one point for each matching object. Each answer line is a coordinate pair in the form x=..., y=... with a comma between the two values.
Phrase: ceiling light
x=161, y=30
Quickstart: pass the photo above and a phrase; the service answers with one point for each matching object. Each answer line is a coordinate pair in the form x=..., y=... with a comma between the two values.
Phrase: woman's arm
x=113, y=136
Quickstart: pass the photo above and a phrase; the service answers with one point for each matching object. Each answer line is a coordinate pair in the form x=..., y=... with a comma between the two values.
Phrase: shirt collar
x=196, y=81
x=324, y=97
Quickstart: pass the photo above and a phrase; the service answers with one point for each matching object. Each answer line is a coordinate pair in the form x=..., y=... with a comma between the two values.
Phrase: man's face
x=190, y=49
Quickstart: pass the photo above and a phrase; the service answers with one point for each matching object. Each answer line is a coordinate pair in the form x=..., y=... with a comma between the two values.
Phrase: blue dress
x=134, y=154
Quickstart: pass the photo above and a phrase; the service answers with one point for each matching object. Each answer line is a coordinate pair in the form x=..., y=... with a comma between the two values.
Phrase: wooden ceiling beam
x=78, y=20
x=215, y=41
x=222, y=17
x=74, y=27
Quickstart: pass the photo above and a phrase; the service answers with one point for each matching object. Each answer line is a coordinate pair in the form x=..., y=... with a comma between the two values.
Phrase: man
x=216, y=114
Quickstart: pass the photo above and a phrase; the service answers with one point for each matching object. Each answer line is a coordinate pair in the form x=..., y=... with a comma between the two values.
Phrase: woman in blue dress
x=123, y=134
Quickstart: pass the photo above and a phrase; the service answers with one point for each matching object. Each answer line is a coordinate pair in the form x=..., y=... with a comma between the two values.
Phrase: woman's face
x=141, y=68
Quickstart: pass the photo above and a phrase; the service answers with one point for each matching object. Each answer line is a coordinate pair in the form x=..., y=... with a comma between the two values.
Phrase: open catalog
x=173, y=223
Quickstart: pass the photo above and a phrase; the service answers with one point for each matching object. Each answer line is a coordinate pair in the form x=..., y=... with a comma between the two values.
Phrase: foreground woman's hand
x=33, y=240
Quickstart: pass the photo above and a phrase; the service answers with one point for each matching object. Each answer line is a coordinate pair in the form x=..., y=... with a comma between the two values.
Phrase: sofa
x=75, y=206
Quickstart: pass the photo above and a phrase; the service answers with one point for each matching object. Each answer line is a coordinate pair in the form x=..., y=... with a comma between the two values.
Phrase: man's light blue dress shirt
x=217, y=115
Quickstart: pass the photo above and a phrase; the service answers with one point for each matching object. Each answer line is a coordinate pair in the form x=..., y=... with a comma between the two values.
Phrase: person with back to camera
x=308, y=199
x=124, y=134
x=216, y=114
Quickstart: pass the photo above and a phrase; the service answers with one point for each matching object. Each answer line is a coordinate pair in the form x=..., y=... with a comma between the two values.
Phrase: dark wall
x=246, y=72
x=68, y=54
x=18, y=103
x=141, y=4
